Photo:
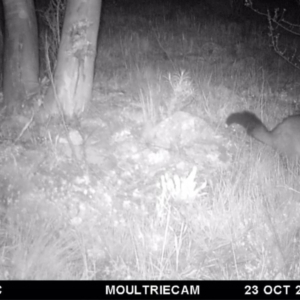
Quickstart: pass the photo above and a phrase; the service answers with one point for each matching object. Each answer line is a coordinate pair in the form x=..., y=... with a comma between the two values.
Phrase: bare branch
x=277, y=18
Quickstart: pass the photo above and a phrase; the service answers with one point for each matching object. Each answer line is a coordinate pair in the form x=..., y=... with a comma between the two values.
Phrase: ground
x=149, y=183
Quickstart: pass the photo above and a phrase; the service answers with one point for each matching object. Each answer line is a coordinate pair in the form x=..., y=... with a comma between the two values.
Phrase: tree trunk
x=21, y=62
x=73, y=78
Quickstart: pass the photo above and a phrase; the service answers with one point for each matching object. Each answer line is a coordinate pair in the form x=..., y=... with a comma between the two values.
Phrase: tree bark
x=21, y=62
x=72, y=85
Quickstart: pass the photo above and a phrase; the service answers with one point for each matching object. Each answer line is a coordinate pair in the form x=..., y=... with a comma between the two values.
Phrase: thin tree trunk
x=21, y=62
x=73, y=78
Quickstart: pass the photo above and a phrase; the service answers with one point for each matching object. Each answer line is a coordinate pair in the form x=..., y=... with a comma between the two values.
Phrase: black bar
x=149, y=290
